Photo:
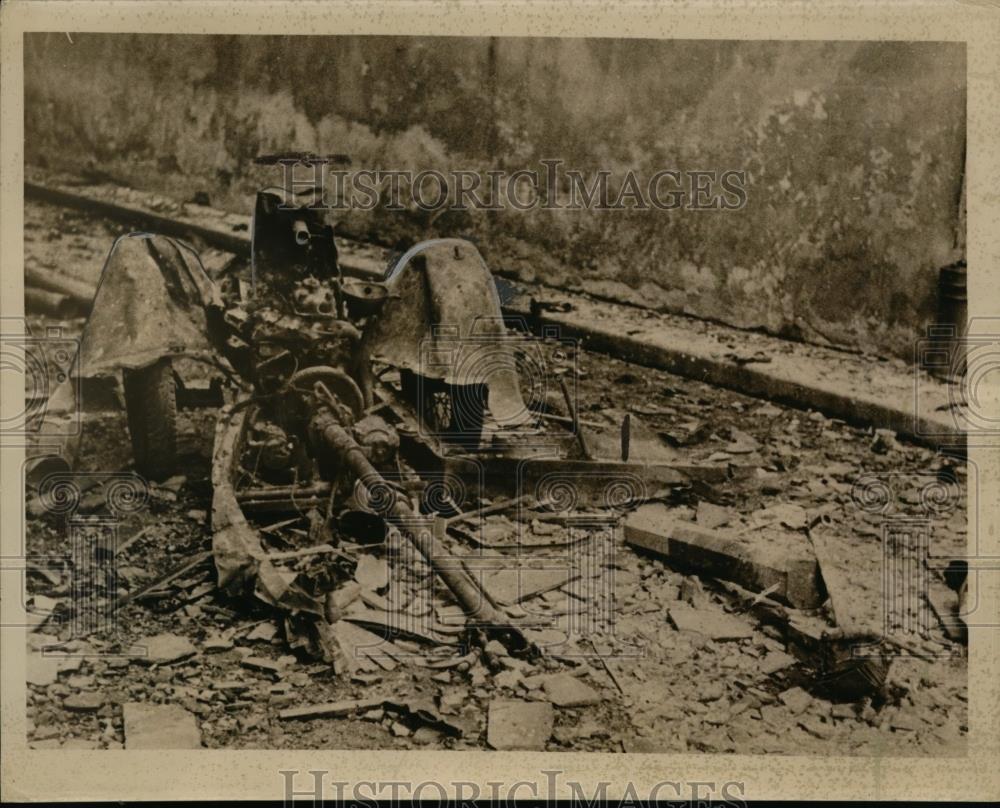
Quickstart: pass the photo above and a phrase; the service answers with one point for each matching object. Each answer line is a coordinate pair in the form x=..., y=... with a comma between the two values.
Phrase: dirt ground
x=227, y=661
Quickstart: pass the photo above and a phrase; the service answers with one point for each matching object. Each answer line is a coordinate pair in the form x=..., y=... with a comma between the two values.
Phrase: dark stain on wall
x=853, y=153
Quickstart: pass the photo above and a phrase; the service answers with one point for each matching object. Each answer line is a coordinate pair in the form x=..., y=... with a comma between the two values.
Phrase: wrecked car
x=341, y=396
x=362, y=415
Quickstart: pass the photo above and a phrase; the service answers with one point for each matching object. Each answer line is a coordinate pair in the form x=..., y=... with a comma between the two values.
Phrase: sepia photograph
x=496, y=393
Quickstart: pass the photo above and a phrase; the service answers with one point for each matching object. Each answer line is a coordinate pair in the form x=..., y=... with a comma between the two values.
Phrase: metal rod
x=496, y=507
x=283, y=492
x=571, y=406
x=562, y=419
x=339, y=441
x=163, y=580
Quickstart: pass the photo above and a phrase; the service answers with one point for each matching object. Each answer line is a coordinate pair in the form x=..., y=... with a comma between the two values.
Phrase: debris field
x=689, y=571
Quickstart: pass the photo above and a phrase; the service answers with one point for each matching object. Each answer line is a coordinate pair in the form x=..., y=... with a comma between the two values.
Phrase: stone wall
x=853, y=153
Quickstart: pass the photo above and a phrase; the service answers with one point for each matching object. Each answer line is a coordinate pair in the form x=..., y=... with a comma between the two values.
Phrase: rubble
x=565, y=690
x=776, y=661
x=404, y=717
x=787, y=570
x=217, y=643
x=518, y=583
x=87, y=701
x=159, y=726
x=372, y=573
x=361, y=649
x=709, y=621
x=163, y=649
x=353, y=605
x=334, y=709
x=796, y=699
x=519, y=725
x=263, y=632
x=41, y=670
x=262, y=664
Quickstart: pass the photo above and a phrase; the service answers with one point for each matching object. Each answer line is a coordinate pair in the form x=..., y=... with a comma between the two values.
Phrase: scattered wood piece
x=121, y=548
x=375, y=601
x=454, y=662
x=945, y=606
x=847, y=616
x=363, y=649
x=53, y=576
x=52, y=304
x=602, y=655
x=383, y=625
x=319, y=549
x=279, y=525
x=81, y=294
x=565, y=419
x=496, y=507
x=262, y=664
x=330, y=709
x=184, y=567
x=515, y=584
x=803, y=633
x=575, y=416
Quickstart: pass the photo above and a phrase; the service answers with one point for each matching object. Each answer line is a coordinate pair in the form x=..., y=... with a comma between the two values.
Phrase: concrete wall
x=853, y=153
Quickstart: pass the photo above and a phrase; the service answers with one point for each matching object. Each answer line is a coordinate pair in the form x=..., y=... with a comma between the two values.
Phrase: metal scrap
x=154, y=300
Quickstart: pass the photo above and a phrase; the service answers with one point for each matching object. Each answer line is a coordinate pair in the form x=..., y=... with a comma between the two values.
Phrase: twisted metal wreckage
x=387, y=415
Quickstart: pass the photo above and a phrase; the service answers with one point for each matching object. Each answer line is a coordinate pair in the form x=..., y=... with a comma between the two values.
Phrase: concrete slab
x=523, y=725
x=782, y=564
x=159, y=726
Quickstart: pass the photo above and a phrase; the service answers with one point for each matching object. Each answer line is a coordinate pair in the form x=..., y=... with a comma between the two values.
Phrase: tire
x=151, y=406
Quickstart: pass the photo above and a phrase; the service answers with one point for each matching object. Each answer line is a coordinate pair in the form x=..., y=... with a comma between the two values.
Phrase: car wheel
x=151, y=406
